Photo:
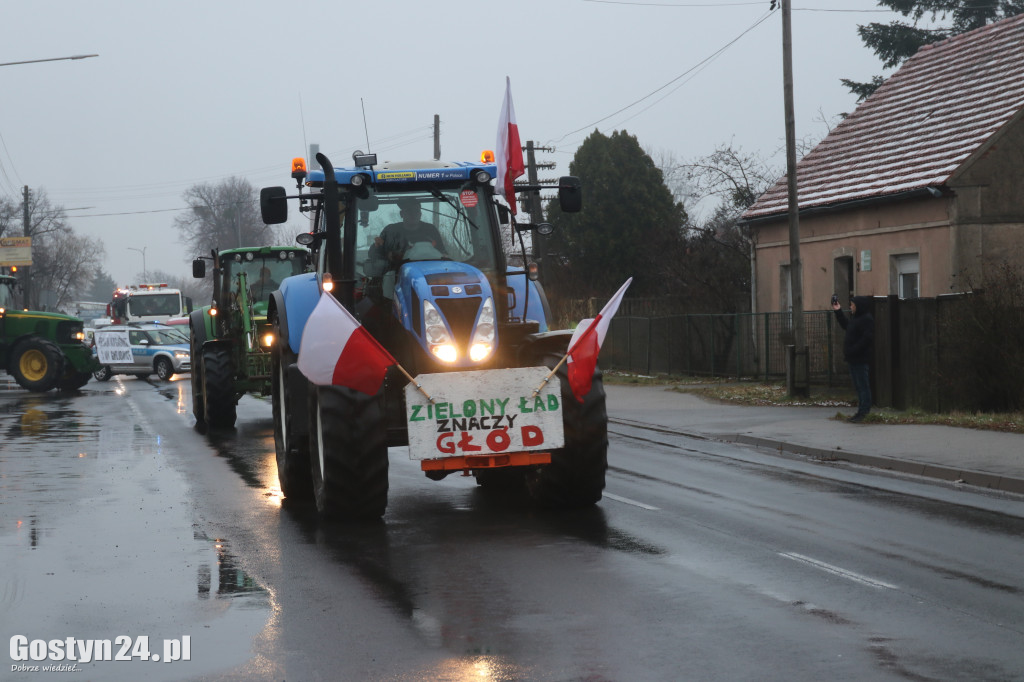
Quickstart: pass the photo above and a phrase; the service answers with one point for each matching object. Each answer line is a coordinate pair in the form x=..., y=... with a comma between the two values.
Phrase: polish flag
x=510, y=150
x=586, y=342
x=338, y=351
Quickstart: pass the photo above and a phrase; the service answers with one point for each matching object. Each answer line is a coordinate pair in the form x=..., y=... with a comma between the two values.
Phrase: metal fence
x=742, y=345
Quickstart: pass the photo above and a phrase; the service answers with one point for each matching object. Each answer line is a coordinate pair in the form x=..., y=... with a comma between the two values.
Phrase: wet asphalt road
x=704, y=561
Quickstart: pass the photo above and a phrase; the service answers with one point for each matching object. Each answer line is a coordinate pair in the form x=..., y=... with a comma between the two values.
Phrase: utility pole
x=797, y=373
x=533, y=203
x=437, y=137
x=26, y=229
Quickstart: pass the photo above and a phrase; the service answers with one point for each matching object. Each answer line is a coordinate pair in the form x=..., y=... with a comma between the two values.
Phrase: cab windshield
x=263, y=274
x=6, y=294
x=423, y=224
x=146, y=305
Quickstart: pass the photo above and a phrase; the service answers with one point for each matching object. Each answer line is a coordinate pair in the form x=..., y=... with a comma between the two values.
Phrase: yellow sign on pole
x=15, y=251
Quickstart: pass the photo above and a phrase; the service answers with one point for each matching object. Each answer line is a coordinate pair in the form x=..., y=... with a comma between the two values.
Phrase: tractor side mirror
x=570, y=194
x=309, y=239
x=274, y=205
x=199, y=268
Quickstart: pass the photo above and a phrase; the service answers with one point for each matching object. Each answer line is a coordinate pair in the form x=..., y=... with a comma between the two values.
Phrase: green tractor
x=41, y=350
x=230, y=339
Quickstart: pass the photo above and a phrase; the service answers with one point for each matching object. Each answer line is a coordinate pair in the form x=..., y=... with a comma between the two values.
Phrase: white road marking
x=626, y=500
x=841, y=572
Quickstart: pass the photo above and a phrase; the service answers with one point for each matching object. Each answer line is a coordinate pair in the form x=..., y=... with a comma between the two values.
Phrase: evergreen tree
x=897, y=41
x=102, y=288
x=630, y=225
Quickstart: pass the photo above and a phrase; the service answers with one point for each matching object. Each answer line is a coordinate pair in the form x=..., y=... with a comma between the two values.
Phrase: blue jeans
x=862, y=384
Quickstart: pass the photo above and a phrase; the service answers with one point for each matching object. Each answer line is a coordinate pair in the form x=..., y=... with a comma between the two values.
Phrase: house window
x=907, y=268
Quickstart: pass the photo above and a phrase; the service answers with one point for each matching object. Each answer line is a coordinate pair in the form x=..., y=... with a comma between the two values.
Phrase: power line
x=692, y=69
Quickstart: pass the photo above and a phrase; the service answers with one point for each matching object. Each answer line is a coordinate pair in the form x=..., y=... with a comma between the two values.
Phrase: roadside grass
x=751, y=392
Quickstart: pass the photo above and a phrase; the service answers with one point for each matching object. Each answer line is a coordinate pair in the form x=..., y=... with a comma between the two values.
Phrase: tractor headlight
x=436, y=333
x=482, y=343
x=268, y=339
x=445, y=352
x=78, y=336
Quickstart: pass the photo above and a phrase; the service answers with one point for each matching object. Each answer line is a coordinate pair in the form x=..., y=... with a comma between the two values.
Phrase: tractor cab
x=260, y=271
x=416, y=249
x=7, y=287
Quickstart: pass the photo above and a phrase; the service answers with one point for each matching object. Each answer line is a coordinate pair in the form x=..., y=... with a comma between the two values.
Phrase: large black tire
x=293, y=470
x=37, y=364
x=575, y=476
x=73, y=380
x=103, y=373
x=218, y=387
x=195, y=376
x=348, y=453
x=164, y=369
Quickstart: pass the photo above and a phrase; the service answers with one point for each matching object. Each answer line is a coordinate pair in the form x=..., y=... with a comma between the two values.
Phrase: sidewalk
x=987, y=459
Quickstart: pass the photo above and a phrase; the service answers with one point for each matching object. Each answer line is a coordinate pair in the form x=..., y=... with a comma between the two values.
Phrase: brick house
x=916, y=193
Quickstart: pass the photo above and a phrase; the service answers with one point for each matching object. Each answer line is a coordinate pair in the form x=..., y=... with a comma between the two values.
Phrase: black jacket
x=860, y=332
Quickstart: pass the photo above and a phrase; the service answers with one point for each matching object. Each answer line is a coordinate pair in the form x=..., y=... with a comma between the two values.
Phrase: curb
x=980, y=479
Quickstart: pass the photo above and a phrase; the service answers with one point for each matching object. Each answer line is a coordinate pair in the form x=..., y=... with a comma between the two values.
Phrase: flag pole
x=417, y=385
x=550, y=374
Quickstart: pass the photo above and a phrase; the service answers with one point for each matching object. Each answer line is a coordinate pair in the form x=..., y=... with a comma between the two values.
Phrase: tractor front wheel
x=348, y=453
x=73, y=380
x=293, y=470
x=575, y=476
x=37, y=364
x=219, y=387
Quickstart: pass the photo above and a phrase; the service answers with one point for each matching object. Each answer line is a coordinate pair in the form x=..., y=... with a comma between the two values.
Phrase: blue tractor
x=414, y=251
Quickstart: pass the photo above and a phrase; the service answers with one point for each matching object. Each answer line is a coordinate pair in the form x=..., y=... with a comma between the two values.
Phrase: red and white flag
x=510, y=150
x=586, y=342
x=338, y=351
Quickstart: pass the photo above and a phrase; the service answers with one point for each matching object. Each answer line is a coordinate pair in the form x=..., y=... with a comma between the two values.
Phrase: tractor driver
x=264, y=286
x=396, y=238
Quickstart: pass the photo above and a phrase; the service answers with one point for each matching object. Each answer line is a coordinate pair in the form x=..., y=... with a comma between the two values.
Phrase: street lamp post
x=145, y=275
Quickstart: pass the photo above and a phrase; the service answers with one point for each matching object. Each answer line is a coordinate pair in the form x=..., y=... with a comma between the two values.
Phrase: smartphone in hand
x=835, y=299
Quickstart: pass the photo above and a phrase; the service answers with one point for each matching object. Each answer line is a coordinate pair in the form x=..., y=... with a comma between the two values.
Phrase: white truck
x=147, y=302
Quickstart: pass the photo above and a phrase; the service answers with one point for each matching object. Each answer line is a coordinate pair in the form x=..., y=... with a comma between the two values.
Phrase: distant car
x=156, y=349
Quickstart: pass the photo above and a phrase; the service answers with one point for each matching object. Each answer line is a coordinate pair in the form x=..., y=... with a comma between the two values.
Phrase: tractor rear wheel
x=348, y=452
x=196, y=358
x=219, y=387
x=293, y=470
x=37, y=364
x=575, y=476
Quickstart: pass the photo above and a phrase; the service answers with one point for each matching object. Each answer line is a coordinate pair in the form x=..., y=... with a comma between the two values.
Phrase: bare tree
x=10, y=216
x=713, y=271
x=222, y=216
x=63, y=263
x=737, y=178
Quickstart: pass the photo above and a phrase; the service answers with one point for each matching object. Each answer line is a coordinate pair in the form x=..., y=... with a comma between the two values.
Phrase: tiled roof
x=918, y=128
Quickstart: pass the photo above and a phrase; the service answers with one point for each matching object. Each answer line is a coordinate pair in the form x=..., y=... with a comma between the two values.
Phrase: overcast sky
x=187, y=92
